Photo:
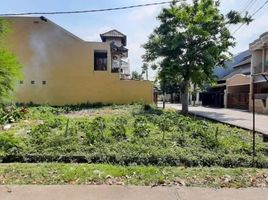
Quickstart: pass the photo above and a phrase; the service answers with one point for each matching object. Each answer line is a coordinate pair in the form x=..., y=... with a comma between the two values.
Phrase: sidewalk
x=127, y=193
x=239, y=118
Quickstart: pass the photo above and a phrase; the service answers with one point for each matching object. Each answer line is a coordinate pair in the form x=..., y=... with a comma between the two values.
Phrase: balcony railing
x=123, y=70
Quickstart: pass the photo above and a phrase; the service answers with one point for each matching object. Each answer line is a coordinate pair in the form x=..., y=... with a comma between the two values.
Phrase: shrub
x=141, y=127
x=187, y=141
x=118, y=129
x=97, y=128
x=12, y=114
x=164, y=124
x=9, y=144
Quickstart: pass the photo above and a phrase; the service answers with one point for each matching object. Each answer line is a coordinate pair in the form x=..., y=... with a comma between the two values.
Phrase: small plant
x=164, y=124
x=118, y=130
x=9, y=144
x=12, y=114
x=97, y=128
x=141, y=127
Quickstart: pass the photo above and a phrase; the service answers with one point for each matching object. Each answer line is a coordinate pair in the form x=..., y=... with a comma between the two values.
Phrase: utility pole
x=254, y=123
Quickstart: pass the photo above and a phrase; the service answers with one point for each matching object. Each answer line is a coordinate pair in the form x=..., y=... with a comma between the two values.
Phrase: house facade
x=237, y=93
x=259, y=72
x=231, y=90
x=60, y=68
x=248, y=76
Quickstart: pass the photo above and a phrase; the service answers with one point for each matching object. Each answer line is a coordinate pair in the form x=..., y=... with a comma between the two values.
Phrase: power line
x=256, y=11
x=92, y=10
x=248, y=6
x=260, y=8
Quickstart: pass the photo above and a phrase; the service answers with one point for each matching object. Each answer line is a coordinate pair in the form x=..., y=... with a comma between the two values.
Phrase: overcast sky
x=137, y=23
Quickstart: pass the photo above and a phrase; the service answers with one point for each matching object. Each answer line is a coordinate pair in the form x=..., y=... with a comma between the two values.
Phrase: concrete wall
x=237, y=80
x=259, y=106
x=50, y=53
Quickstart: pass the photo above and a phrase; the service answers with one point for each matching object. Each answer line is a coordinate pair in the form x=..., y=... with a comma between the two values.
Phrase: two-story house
x=259, y=72
x=60, y=68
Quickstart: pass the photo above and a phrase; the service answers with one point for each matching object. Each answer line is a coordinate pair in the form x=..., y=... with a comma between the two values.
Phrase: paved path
x=234, y=117
x=127, y=193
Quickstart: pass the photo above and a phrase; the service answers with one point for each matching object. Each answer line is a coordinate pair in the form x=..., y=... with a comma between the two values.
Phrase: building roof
x=221, y=72
x=114, y=34
x=262, y=40
x=247, y=61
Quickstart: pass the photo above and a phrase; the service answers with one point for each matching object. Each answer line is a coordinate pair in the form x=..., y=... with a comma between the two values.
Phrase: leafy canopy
x=9, y=66
x=191, y=39
x=136, y=76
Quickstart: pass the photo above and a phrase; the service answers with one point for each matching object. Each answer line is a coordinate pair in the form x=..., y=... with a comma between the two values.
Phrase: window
x=32, y=82
x=100, y=61
x=44, y=82
x=21, y=82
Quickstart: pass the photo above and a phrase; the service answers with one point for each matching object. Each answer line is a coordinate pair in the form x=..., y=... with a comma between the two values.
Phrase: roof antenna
x=43, y=18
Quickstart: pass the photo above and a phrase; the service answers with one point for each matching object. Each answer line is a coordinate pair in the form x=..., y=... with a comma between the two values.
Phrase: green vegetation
x=191, y=39
x=94, y=174
x=10, y=69
x=126, y=135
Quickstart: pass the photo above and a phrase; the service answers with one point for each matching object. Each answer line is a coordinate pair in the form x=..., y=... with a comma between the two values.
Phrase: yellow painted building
x=60, y=68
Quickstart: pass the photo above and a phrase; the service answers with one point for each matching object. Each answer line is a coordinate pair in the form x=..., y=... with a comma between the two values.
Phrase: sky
x=137, y=23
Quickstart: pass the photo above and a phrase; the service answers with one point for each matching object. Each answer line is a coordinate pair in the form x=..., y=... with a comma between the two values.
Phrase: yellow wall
x=50, y=53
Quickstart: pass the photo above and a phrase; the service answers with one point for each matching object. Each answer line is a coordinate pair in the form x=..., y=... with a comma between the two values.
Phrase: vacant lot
x=125, y=135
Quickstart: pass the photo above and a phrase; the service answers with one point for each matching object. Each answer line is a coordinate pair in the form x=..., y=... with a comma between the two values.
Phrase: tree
x=136, y=76
x=145, y=68
x=10, y=70
x=190, y=40
x=169, y=83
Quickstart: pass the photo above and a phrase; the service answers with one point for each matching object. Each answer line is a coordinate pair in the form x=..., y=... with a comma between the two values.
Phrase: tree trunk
x=185, y=97
x=164, y=100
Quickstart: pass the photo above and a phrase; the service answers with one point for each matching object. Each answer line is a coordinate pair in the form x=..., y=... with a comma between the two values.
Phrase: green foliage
x=146, y=137
x=10, y=69
x=85, y=174
x=141, y=127
x=191, y=40
x=136, y=76
x=9, y=145
x=164, y=123
x=11, y=114
x=97, y=128
x=118, y=129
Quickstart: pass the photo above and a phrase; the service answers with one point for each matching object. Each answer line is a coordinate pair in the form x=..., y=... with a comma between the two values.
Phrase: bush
x=130, y=140
x=9, y=145
x=12, y=114
x=141, y=127
x=97, y=128
x=118, y=129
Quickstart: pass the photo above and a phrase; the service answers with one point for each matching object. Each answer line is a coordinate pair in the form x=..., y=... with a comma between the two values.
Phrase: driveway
x=127, y=192
x=239, y=118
